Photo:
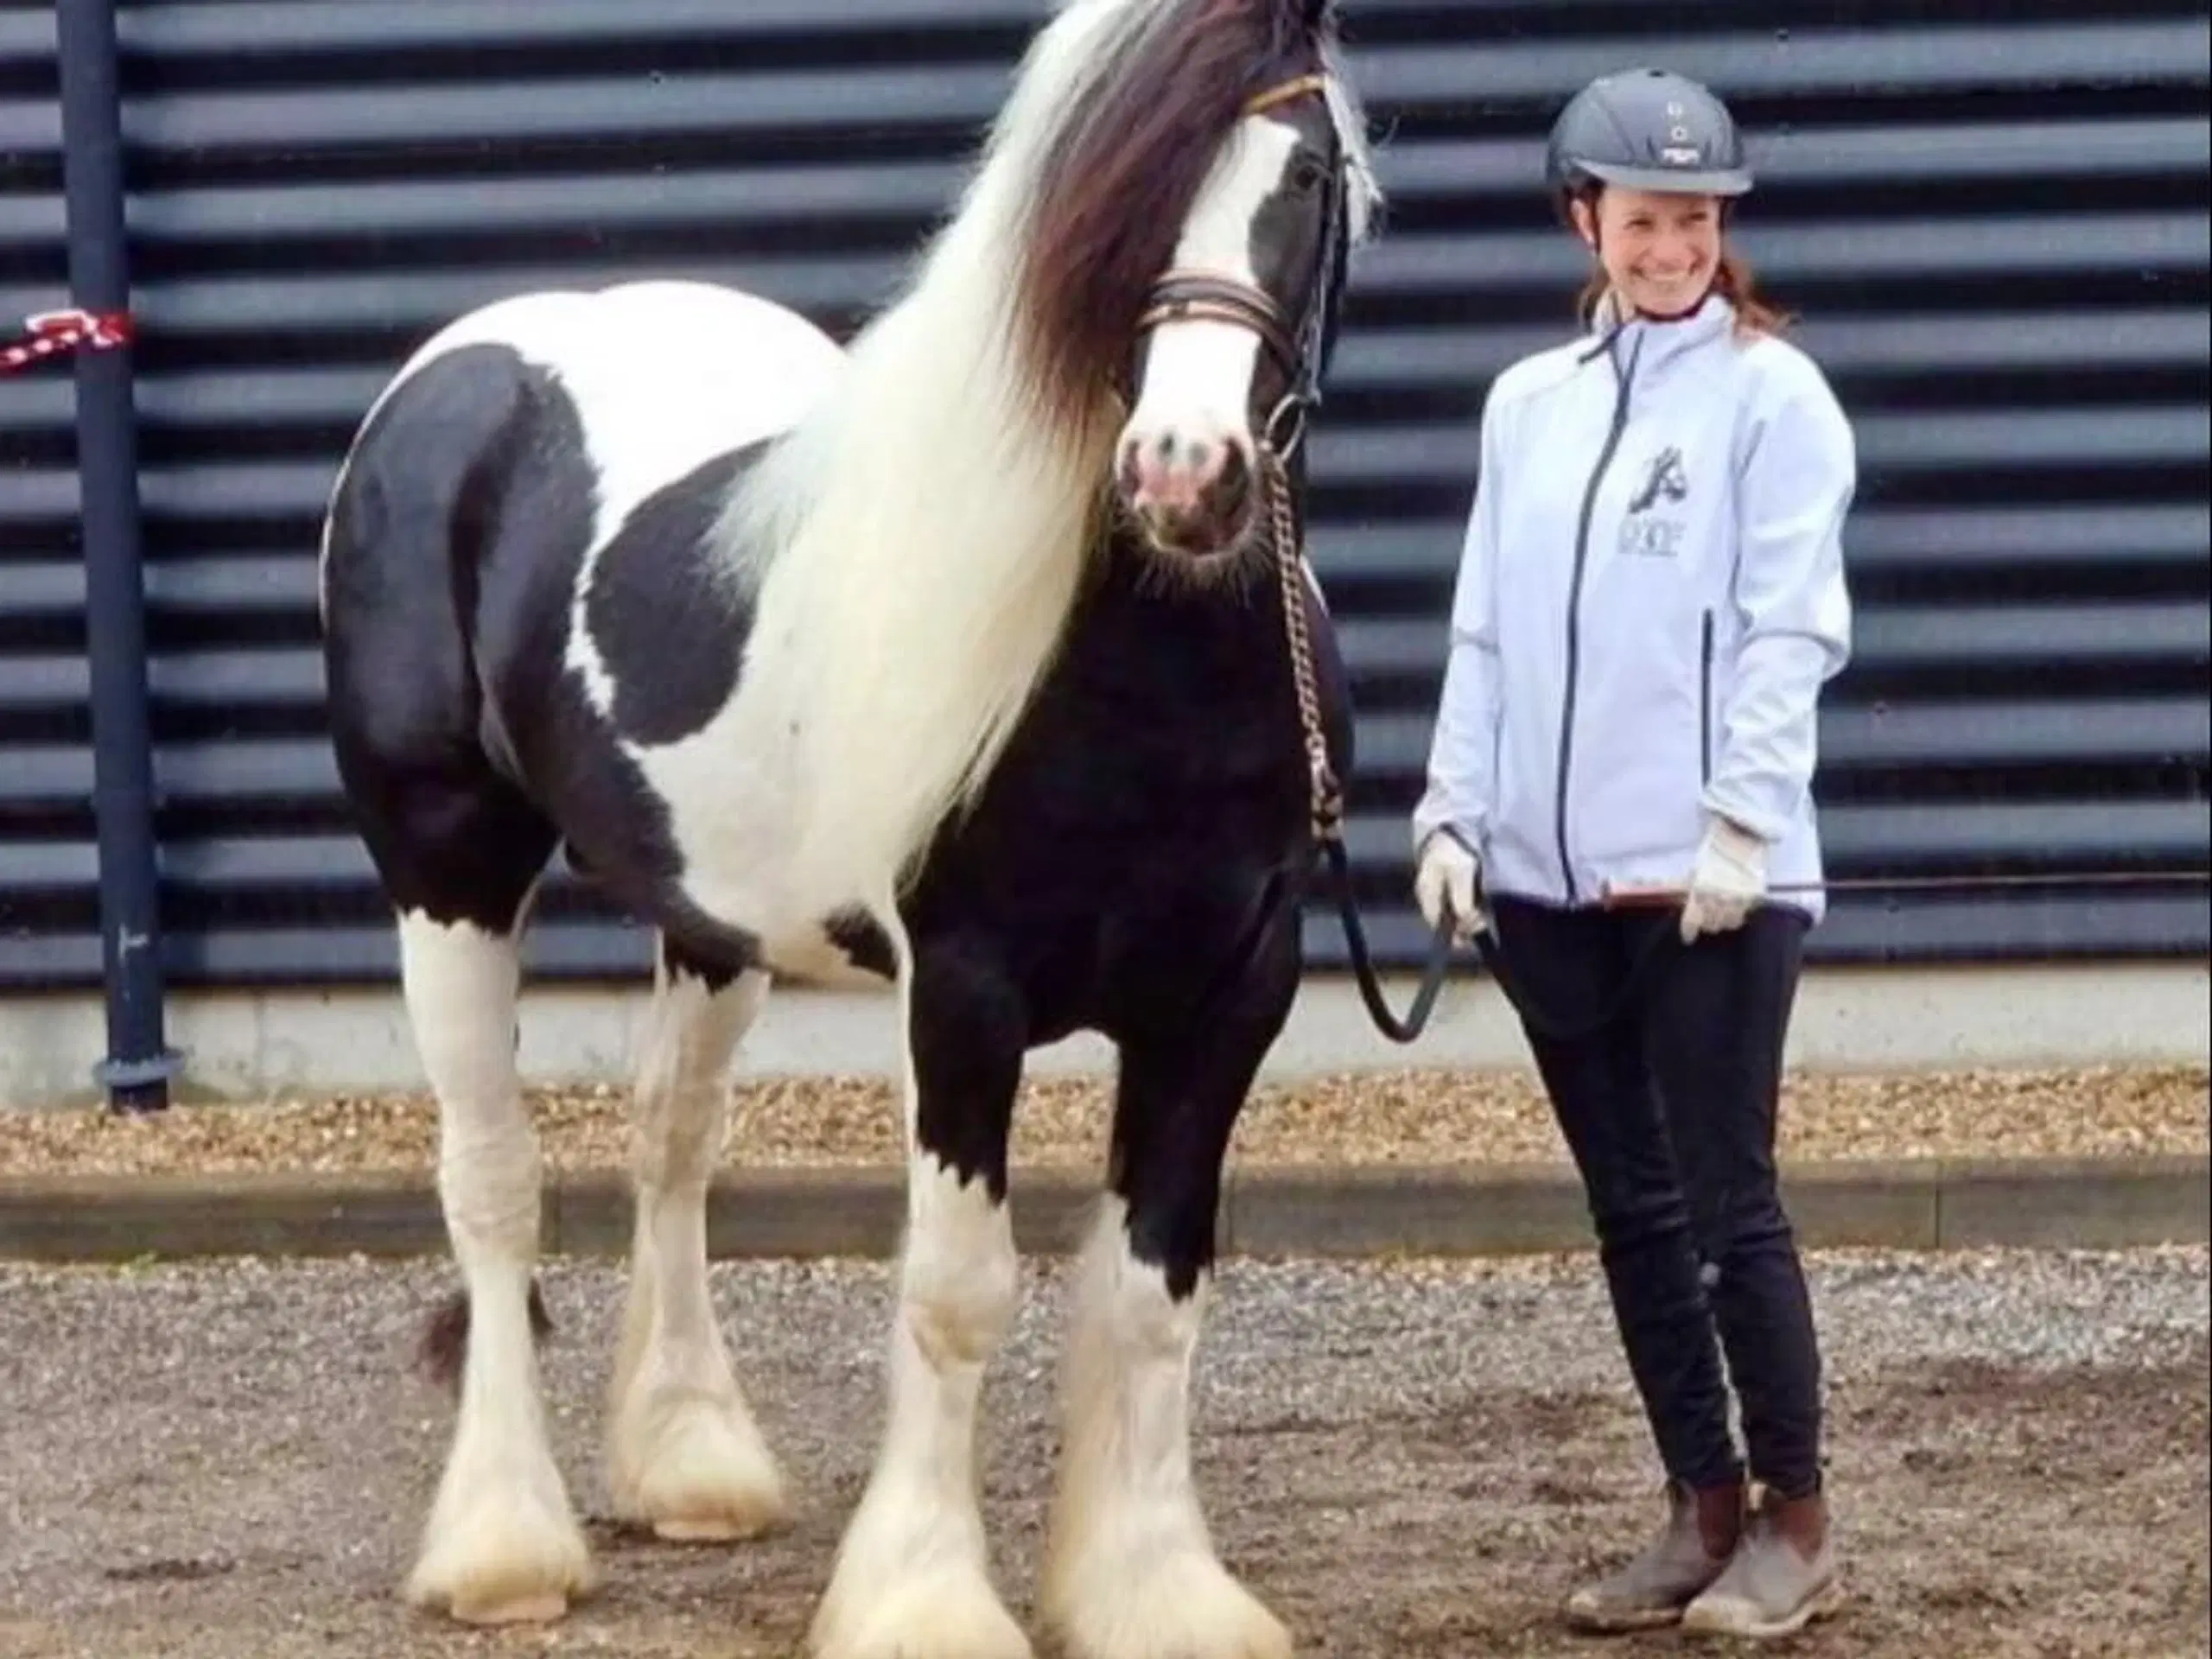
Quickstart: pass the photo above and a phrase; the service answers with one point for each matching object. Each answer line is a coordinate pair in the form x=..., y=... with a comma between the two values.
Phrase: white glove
x=1446, y=883
x=1728, y=879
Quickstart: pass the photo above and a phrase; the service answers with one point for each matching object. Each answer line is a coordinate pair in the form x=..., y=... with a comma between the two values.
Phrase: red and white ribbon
x=52, y=333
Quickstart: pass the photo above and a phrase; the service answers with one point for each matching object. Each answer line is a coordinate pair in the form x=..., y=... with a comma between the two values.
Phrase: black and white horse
x=952, y=662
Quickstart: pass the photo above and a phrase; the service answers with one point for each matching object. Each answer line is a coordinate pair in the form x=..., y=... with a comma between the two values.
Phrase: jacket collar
x=1650, y=342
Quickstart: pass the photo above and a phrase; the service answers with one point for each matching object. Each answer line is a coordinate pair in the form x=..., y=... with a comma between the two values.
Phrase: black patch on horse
x=668, y=613
x=682, y=956
x=864, y=940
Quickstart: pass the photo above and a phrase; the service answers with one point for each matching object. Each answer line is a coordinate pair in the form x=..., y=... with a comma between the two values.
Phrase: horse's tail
x=444, y=1350
x=410, y=486
x=405, y=543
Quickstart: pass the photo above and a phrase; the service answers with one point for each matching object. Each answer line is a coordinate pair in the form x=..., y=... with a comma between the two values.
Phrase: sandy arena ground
x=1410, y=1461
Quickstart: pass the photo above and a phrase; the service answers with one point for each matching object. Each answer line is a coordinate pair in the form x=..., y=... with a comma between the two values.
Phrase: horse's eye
x=1306, y=172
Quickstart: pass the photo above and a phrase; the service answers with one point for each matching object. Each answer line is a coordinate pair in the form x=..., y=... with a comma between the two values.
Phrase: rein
x=1326, y=800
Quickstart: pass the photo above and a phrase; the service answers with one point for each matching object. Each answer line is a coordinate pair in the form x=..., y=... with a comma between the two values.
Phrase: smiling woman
x=1649, y=602
x=1652, y=205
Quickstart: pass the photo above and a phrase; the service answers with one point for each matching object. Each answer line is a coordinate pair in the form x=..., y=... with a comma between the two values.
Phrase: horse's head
x=1194, y=233
x=1233, y=345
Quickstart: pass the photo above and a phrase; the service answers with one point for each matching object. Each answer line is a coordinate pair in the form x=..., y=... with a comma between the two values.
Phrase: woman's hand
x=1448, y=882
x=1728, y=879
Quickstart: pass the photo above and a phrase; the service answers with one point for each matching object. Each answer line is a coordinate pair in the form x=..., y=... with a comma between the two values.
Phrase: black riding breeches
x=1668, y=1108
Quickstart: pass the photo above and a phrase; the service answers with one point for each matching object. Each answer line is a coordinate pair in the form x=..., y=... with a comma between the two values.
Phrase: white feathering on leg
x=1130, y=1570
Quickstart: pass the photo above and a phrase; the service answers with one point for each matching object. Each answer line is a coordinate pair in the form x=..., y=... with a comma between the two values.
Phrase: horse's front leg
x=1131, y=1569
x=684, y=1456
x=912, y=1578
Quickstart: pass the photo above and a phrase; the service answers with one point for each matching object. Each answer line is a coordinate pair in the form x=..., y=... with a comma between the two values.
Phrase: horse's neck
x=1231, y=634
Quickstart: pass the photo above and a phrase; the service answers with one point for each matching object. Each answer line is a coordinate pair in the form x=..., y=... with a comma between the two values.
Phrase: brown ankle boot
x=1689, y=1554
x=1783, y=1577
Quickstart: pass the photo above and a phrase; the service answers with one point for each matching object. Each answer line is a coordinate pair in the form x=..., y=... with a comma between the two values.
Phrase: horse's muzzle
x=1194, y=498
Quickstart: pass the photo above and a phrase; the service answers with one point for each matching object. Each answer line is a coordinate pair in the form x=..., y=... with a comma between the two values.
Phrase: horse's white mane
x=921, y=536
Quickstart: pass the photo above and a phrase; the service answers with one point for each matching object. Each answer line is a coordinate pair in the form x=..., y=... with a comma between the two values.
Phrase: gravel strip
x=1409, y=1116
x=1408, y=1462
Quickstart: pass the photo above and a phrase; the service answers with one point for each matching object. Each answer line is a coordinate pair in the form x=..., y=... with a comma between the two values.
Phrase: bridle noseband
x=1180, y=296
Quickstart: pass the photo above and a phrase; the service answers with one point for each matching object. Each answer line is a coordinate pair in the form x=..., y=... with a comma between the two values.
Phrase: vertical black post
x=139, y=1063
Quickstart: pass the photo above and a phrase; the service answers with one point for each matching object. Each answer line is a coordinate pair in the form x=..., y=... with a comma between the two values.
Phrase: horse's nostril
x=1232, y=485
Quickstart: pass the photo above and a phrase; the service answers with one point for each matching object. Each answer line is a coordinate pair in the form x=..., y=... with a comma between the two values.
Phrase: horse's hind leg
x=460, y=858
x=684, y=1454
x=1131, y=1569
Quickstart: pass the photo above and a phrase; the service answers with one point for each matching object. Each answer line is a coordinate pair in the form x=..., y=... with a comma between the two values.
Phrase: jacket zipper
x=1574, y=604
x=1704, y=699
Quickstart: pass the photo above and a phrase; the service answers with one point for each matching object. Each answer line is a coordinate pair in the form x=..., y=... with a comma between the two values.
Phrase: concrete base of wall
x=1929, y=1203
x=270, y=1045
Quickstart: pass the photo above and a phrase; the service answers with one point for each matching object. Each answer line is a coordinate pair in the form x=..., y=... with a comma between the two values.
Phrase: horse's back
x=658, y=377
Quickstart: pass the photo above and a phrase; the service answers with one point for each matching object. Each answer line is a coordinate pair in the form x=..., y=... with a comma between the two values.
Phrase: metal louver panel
x=1994, y=228
x=48, y=869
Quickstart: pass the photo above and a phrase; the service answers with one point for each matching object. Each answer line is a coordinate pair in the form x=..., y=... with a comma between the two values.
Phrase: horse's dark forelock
x=1122, y=171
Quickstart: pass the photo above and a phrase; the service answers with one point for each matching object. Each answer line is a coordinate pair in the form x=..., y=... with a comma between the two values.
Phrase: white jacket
x=1649, y=599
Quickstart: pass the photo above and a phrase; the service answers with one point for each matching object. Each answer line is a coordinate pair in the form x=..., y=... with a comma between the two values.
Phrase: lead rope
x=1326, y=792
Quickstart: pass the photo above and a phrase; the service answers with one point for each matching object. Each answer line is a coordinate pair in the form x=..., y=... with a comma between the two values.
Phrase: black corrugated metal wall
x=47, y=870
x=1996, y=231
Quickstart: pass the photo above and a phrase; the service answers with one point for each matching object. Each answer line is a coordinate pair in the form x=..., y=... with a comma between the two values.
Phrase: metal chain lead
x=1327, y=800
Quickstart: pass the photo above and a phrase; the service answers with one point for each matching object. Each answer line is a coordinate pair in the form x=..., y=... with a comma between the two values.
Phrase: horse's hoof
x=1189, y=1605
x=699, y=1474
x=704, y=1532
x=510, y=1558
x=953, y=1615
x=527, y=1610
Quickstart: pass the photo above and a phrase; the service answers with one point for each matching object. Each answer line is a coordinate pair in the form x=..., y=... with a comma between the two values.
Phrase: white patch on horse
x=661, y=376
x=501, y=1544
x=1198, y=370
x=684, y=1455
x=1131, y=1569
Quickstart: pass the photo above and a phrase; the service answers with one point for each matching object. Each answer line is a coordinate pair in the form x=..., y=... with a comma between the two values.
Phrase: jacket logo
x=1666, y=477
x=1649, y=535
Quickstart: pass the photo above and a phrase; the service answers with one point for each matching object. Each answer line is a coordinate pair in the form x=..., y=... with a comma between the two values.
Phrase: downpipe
x=138, y=1065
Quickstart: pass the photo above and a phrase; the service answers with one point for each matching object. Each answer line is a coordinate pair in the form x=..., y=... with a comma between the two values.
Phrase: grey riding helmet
x=1646, y=130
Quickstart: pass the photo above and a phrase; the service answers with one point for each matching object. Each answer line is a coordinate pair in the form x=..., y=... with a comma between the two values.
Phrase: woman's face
x=1659, y=248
